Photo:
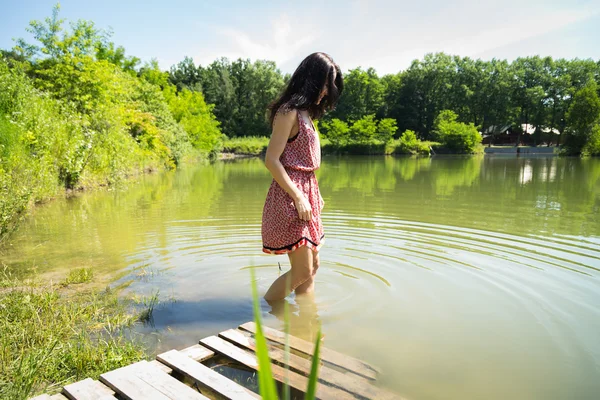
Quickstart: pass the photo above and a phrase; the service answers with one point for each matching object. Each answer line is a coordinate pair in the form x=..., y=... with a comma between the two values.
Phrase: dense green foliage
x=583, y=118
x=240, y=91
x=75, y=112
x=409, y=144
x=454, y=135
x=533, y=91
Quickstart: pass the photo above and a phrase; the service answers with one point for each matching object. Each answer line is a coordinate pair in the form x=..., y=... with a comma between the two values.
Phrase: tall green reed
x=267, y=385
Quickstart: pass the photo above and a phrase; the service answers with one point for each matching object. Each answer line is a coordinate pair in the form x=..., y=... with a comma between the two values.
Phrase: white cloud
x=390, y=41
x=518, y=29
x=278, y=44
x=388, y=35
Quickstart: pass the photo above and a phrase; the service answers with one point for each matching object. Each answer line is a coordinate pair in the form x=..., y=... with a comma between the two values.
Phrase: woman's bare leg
x=309, y=285
x=301, y=271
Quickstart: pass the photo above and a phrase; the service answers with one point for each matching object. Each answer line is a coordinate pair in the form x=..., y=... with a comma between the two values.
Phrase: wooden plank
x=161, y=366
x=341, y=360
x=349, y=382
x=41, y=397
x=197, y=353
x=144, y=381
x=58, y=397
x=88, y=389
x=168, y=385
x=205, y=376
x=295, y=380
x=124, y=382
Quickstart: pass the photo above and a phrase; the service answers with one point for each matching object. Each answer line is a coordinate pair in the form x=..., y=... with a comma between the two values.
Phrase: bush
x=409, y=144
x=386, y=129
x=72, y=116
x=364, y=130
x=456, y=136
x=336, y=131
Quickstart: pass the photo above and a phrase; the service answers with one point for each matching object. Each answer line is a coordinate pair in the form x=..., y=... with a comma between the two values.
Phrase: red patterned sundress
x=282, y=230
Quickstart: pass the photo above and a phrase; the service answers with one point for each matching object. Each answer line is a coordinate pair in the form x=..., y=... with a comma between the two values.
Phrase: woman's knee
x=302, y=265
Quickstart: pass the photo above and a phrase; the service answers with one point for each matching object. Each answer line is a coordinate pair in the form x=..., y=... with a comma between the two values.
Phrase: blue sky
x=385, y=35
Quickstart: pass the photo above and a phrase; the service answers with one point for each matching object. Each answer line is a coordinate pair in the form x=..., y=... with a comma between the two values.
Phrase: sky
x=385, y=35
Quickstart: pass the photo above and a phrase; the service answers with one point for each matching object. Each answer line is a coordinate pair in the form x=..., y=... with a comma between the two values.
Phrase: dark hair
x=303, y=90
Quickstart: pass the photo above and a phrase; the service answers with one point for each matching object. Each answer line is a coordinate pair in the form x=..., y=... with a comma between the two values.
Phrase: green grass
x=251, y=145
x=80, y=275
x=148, y=304
x=256, y=146
x=378, y=148
x=49, y=338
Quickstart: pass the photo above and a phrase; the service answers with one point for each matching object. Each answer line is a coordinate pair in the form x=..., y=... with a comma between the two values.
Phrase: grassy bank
x=52, y=334
x=251, y=145
x=256, y=146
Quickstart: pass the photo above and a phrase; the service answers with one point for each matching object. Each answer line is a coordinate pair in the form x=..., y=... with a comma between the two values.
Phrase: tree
x=186, y=75
x=528, y=92
x=425, y=92
x=240, y=91
x=582, y=117
x=363, y=95
x=106, y=50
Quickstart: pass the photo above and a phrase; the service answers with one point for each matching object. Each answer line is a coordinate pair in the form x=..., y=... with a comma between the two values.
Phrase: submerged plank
x=341, y=360
x=349, y=382
x=88, y=389
x=249, y=359
x=144, y=381
x=205, y=376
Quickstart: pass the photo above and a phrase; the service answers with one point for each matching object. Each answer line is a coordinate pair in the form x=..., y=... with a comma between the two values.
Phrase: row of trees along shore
x=542, y=100
x=76, y=111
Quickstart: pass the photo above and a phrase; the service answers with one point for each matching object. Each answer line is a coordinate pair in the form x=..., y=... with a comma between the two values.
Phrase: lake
x=459, y=277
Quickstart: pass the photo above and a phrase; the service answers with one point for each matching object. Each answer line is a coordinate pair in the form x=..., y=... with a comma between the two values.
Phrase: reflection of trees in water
x=526, y=195
x=449, y=174
x=96, y=229
x=369, y=175
x=560, y=195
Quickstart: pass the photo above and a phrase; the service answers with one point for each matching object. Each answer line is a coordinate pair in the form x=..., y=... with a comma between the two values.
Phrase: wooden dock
x=340, y=376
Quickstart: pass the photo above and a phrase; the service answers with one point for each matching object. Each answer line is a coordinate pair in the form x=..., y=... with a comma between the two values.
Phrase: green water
x=458, y=277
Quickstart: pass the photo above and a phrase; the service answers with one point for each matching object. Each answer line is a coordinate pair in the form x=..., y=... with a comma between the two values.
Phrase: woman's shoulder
x=286, y=109
x=286, y=113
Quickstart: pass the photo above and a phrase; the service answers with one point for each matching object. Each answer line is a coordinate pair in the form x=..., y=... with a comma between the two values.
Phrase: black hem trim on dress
x=291, y=246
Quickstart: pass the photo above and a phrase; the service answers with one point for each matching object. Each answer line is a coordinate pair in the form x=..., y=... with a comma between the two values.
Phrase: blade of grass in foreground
x=311, y=390
x=286, y=329
x=266, y=384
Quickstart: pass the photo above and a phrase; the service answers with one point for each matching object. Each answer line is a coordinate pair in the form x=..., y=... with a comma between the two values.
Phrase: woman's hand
x=304, y=208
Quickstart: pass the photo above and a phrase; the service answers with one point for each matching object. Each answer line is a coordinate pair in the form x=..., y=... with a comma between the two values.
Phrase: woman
x=291, y=222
